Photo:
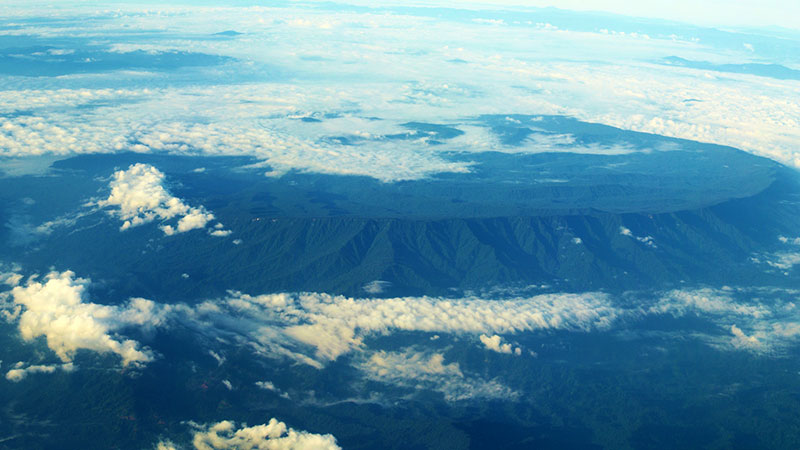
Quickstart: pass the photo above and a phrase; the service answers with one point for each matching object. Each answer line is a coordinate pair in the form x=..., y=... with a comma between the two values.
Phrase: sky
x=721, y=13
x=744, y=13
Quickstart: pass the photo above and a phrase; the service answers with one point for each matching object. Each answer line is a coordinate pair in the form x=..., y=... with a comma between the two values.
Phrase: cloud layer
x=315, y=329
x=343, y=106
x=334, y=325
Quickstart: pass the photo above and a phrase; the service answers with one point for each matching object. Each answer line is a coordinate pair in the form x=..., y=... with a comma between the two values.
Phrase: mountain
x=661, y=213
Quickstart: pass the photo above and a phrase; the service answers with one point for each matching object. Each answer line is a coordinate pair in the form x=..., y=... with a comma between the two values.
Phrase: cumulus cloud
x=429, y=371
x=744, y=341
x=495, y=344
x=274, y=435
x=646, y=240
x=20, y=371
x=138, y=196
x=56, y=308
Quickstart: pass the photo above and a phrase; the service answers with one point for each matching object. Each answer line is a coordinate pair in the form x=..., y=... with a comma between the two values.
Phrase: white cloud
x=270, y=386
x=274, y=435
x=56, y=309
x=20, y=372
x=783, y=259
x=706, y=300
x=789, y=240
x=495, y=344
x=217, y=357
x=138, y=196
x=10, y=278
x=773, y=325
x=376, y=286
x=267, y=385
x=334, y=325
x=429, y=371
x=314, y=328
x=646, y=240
x=744, y=341
x=261, y=119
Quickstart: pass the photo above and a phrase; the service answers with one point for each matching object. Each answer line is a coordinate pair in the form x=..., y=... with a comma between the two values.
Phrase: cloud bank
x=343, y=105
x=334, y=325
x=315, y=329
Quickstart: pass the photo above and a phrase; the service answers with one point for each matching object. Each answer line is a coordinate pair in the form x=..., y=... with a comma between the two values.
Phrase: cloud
x=270, y=386
x=56, y=309
x=20, y=372
x=784, y=259
x=602, y=78
x=789, y=240
x=646, y=240
x=706, y=300
x=335, y=325
x=376, y=286
x=772, y=325
x=429, y=371
x=273, y=435
x=742, y=340
x=495, y=344
x=10, y=278
x=217, y=357
x=138, y=196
